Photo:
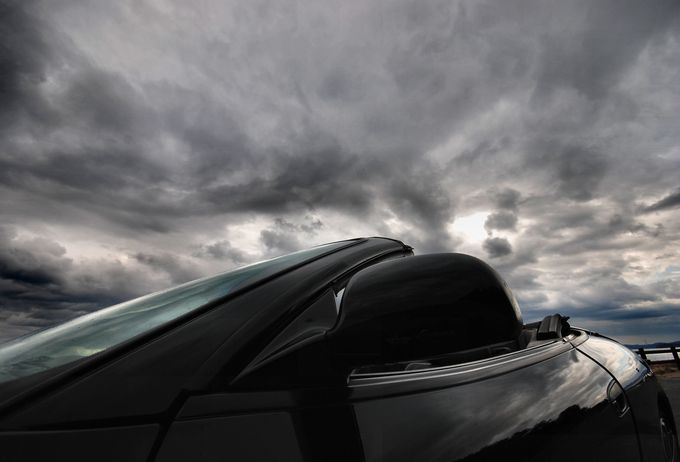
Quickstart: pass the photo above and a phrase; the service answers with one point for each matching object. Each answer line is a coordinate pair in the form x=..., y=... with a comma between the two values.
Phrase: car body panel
x=269, y=436
x=536, y=406
x=547, y=411
x=641, y=388
x=107, y=444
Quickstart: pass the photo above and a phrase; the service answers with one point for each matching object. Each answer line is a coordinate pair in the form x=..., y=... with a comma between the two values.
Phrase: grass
x=666, y=369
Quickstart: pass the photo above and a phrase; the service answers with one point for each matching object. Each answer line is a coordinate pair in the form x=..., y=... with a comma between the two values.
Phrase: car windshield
x=97, y=331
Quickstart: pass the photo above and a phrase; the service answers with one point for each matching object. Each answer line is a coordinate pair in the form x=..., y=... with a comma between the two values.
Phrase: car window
x=103, y=329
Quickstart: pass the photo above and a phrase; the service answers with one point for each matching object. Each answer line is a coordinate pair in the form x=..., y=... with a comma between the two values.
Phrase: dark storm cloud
x=607, y=40
x=40, y=285
x=619, y=314
x=105, y=102
x=419, y=198
x=313, y=226
x=507, y=199
x=579, y=172
x=501, y=221
x=597, y=233
x=422, y=198
x=668, y=288
x=327, y=177
x=32, y=292
x=278, y=241
x=93, y=127
x=670, y=201
x=497, y=247
x=174, y=141
x=178, y=270
x=100, y=183
x=222, y=250
x=38, y=264
x=285, y=237
x=576, y=170
x=24, y=55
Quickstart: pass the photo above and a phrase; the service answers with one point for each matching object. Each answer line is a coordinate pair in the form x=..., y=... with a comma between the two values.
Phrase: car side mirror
x=421, y=307
x=398, y=311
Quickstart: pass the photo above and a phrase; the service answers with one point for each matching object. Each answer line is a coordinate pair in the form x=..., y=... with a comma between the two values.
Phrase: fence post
x=641, y=351
x=675, y=356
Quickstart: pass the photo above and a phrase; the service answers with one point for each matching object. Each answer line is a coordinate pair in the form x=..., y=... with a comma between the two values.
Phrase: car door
x=641, y=389
x=364, y=389
x=547, y=403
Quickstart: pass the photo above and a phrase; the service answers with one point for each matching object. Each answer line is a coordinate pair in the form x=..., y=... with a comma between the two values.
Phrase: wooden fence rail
x=656, y=351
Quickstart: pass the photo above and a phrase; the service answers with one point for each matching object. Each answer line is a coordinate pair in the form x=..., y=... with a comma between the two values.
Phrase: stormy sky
x=144, y=144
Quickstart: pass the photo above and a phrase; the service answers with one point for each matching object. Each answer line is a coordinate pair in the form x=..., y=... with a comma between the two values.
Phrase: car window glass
x=100, y=330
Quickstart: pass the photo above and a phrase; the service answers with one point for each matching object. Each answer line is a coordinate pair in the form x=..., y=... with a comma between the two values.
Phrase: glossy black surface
x=549, y=411
x=421, y=307
x=107, y=444
x=642, y=390
x=284, y=371
x=532, y=403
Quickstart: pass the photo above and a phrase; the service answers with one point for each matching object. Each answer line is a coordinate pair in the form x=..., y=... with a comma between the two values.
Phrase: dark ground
x=672, y=387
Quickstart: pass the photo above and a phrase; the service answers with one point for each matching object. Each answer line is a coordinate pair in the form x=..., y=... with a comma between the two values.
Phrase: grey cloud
x=619, y=223
x=668, y=288
x=35, y=262
x=592, y=61
x=114, y=184
x=32, y=284
x=596, y=233
x=629, y=314
x=501, y=221
x=497, y=247
x=646, y=330
x=420, y=200
x=105, y=102
x=507, y=199
x=482, y=152
x=222, y=250
x=23, y=59
x=610, y=293
x=40, y=285
x=279, y=241
x=284, y=236
x=313, y=227
x=178, y=270
x=339, y=84
x=672, y=200
x=577, y=170
x=325, y=178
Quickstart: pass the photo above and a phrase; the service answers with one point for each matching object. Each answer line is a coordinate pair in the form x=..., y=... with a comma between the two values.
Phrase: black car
x=355, y=350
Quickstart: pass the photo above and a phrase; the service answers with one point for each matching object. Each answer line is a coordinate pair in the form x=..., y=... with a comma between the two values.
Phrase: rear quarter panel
x=554, y=409
x=641, y=387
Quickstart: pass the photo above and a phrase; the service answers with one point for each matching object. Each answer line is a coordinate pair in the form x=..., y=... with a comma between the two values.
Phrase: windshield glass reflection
x=100, y=330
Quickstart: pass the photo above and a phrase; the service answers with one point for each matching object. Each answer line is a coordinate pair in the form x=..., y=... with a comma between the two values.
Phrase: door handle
x=617, y=398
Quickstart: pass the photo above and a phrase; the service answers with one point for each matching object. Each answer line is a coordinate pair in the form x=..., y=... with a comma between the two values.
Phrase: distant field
x=672, y=387
x=666, y=369
x=669, y=377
